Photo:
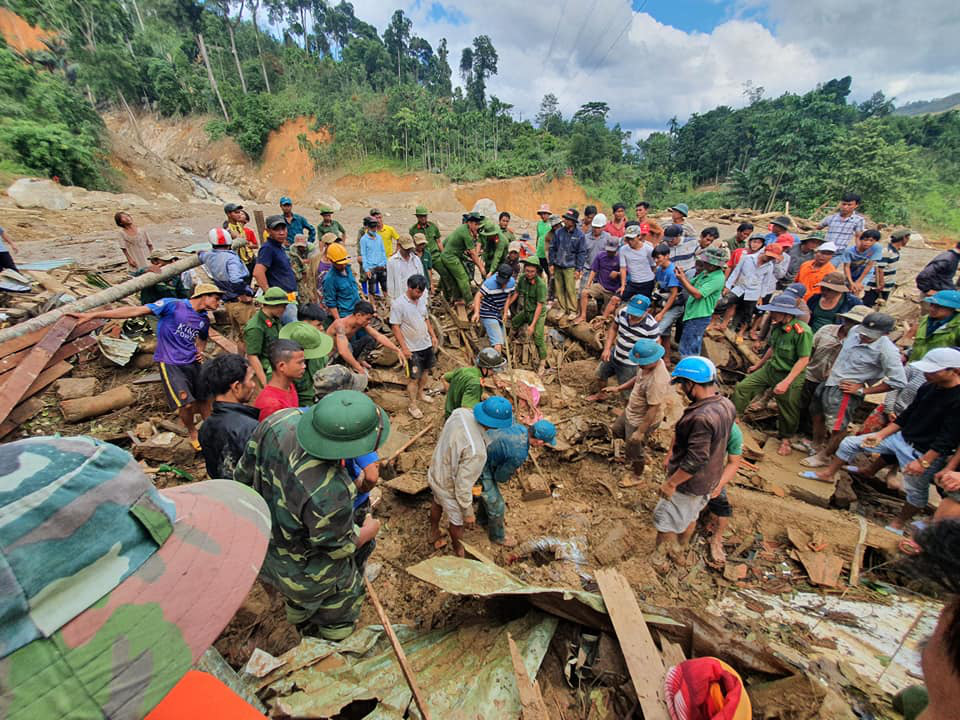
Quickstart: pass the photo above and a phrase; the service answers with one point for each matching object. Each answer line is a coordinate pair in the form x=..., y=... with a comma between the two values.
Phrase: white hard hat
x=827, y=247
x=599, y=220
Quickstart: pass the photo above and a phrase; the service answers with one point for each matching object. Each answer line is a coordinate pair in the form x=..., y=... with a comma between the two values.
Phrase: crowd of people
x=288, y=415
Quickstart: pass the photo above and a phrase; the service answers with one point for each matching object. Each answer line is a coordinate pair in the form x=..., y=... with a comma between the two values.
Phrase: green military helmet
x=344, y=424
x=421, y=210
x=680, y=208
x=315, y=344
x=490, y=359
x=326, y=210
x=274, y=296
x=489, y=228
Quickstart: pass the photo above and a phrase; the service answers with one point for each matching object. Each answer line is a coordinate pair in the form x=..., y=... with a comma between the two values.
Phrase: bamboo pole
x=112, y=294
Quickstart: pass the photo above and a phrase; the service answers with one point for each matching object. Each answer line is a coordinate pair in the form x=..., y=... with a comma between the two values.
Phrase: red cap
x=774, y=250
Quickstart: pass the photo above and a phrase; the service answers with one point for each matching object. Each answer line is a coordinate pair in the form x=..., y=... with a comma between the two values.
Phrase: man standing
x=678, y=216
x=430, y=232
x=884, y=280
x=229, y=380
x=618, y=223
x=746, y=285
x=340, y=293
x=636, y=266
x=650, y=395
x=317, y=554
x=703, y=294
x=859, y=259
x=182, y=331
x=457, y=463
x=262, y=330
x=420, y=250
x=781, y=368
x=813, y=271
x=696, y=460
x=801, y=252
x=709, y=237
x=490, y=303
x=353, y=337
x=739, y=240
x=642, y=209
x=671, y=299
x=493, y=248
x=682, y=250
x=779, y=233
x=603, y=280
x=567, y=256
x=465, y=386
x=373, y=259
x=286, y=358
x=532, y=291
x=507, y=238
x=329, y=225
x=402, y=265
x=868, y=363
x=940, y=273
x=596, y=239
x=410, y=322
x=273, y=269
x=228, y=273
x=632, y=323
x=543, y=227
x=296, y=224
x=387, y=233
x=453, y=275
x=845, y=225
x=940, y=326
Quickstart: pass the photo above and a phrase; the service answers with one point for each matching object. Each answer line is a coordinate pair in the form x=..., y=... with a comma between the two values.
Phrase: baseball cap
x=328, y=238
x=774, y=251
x=834, y=281
x=858, y=313
x=827, y=247
x=938, y=359
x=599, y=220
x=286, y=200
x=406, y=242
x=337, y=377
x=546, y=431
x=945, y=298
x=876, y=324
x=514, y=246
x=555, y=220
x=631, y=231
x=899, y=234
x=673, y=231
x=419, y=239
x=274, y=221
x=613, y=244
x=119, y=587
x=231, y=207
x=504, y=272
x=376, y=211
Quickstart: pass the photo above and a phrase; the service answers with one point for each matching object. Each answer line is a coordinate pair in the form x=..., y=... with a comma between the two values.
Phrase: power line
x=553, y=40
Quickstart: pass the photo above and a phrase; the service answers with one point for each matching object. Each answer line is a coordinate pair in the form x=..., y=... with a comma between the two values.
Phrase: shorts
x=447, y=500
x=669, y=318
x=180, y=383
x=676, y=514
x=720, y=505
x=420, y=362
x=836, y=406
x=614, y=367
x=494, y=330
x=600, y=294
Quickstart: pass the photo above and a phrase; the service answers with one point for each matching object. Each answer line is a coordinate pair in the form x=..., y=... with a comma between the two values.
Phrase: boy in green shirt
x=316, y=346
x=533, y=313
x=704, y=292
x=781, y=367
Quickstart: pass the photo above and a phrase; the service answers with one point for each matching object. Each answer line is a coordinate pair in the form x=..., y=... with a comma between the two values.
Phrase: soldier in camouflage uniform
x=112, y=589
x=317, y=552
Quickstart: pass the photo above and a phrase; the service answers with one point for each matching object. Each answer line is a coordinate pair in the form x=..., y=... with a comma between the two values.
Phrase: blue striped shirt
x=493, y=298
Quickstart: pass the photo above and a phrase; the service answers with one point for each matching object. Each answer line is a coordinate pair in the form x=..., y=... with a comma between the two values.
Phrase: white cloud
x=655, y=71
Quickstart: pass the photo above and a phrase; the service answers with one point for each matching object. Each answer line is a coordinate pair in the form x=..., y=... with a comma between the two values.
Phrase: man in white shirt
x=746, y=284
x=402, y=265
x=409, y=320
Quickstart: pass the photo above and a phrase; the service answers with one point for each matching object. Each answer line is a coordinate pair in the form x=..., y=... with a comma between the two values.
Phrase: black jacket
x=224, y=436
x=922, y=423
x=938, y=274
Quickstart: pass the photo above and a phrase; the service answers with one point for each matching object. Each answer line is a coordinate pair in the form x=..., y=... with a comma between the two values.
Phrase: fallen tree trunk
x=112, y=294
x=87, y=407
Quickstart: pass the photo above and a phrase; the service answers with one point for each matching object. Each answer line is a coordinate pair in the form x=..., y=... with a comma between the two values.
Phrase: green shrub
x=52, y=149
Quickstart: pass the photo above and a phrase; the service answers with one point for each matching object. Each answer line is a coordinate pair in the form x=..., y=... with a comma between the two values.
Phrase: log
x=83, y=408
x=585, y=334
x=112, y=294
x=743, y=347
x=20, y=380
x=73, y=388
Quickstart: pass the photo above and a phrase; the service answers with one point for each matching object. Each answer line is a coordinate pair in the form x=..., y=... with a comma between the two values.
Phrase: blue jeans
x=915, y=487
x=289, y=314
x=494, y=330
x=692, y=337
x=669, y=318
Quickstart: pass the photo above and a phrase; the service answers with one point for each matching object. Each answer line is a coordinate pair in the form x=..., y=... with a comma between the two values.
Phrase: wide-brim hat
x=857, y=314
x=785, y=304
x=532, y=261
x=494, y=412
x=544, y=209
x=316, y=344
x=945, y=298
x=646, y=351
x=206, y=289
x=274, y=296
x=681, y=208
x=421, y=210
x=834, y=281
x=571, y=215
x=344, y=424
x=121, y=655
x=783, y=221
x=326, y=210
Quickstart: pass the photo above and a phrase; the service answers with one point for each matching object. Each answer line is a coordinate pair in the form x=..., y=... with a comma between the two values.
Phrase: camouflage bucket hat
x=111, y=588
x=337, y=377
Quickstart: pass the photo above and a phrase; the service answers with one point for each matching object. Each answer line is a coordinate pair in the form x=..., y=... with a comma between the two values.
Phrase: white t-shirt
x=412, y=319
x=637, y=262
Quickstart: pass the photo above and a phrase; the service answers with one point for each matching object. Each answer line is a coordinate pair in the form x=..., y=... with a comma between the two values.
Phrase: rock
x=36, y=193
x=166, y=447
x=486, y=207
x=615, y=544
x=328, y=200
x=71, y=388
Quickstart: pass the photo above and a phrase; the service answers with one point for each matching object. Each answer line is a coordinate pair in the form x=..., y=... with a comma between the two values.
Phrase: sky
x=652, y=60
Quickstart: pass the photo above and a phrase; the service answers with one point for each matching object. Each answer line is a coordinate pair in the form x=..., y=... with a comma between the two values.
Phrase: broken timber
x=24, y=375
x=531, y=699
x=641, y=654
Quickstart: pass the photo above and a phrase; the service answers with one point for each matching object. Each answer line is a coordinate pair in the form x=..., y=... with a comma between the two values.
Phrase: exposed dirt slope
x=523, y=195
x=19, y=34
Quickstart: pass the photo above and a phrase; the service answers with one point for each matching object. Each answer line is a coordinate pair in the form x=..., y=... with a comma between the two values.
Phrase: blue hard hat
x=286, y=201
x=696, y=369
x=945, y=298
x=646, y=351
x=638, y=305
x=546, y=431
x=494, y=412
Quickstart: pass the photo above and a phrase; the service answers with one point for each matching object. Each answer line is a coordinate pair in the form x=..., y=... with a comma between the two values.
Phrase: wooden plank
x=46, y=378
x=858, y=554
x=21, y=413
x=25, y=341
x=226, y=343
x=671, y=653
x=532, y=706
x=641, y=654
x=68, y=350
x=14, y=390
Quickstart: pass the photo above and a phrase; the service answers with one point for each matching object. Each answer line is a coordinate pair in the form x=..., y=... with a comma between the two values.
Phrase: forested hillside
x=391, y=99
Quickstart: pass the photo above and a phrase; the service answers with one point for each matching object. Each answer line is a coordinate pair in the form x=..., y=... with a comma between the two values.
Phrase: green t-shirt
x=306, y=394
x=790, y=342
x=710, y=284
x=542, y=229
x=465, y=389
x=427, y=261
x=458, y=242
x=258, y=334
x=431, y=232
x=735, y=443
x=335, y=227
x=532, y=293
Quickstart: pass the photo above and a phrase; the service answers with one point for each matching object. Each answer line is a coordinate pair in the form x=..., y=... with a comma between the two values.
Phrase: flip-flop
x=440, y=543
x=811, y=475
x=909, y=547
x=895, y=531
x=195, y=444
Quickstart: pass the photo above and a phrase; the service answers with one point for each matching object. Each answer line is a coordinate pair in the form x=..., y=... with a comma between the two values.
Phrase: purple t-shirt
x=604, y=264
x=177, y=331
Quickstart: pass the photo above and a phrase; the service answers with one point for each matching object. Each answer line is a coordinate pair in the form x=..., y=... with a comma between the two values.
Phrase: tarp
x=461, y=576
x=464, y=673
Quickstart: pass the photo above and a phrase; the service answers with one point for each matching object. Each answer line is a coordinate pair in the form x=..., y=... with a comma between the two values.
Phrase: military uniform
x=530, y=295
x=258, y=334
x=313, y=557
x=432, y=233
x=450, y=265
x=495, y=252
x=465, y=389
x=334, y=227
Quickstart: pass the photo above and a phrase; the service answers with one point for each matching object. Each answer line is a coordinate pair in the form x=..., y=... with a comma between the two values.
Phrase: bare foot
x=415, y=412
x=594, y=397
x=509, y=541
x=660, y=562
x=579, y=319
x=717, y=554
x=784, y=448
x=427, y=399
x=435, y=538
x=629, y=480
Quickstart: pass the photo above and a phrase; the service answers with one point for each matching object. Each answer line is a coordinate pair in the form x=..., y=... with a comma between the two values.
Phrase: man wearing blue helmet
x=696, y=460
